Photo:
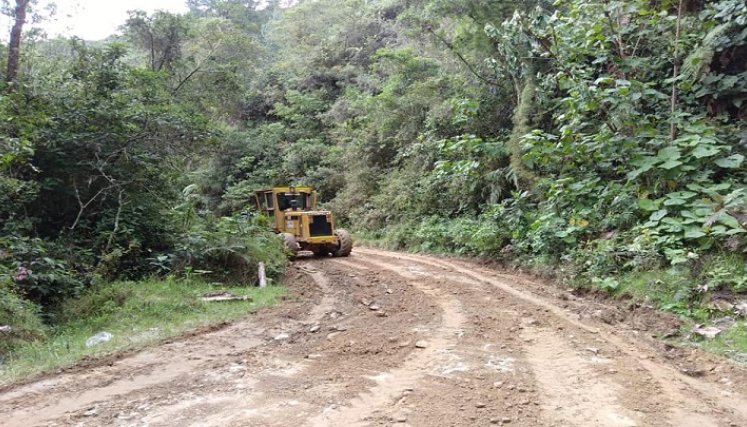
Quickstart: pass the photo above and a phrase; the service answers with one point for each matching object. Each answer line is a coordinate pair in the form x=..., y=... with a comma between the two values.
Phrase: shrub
x=22, y=316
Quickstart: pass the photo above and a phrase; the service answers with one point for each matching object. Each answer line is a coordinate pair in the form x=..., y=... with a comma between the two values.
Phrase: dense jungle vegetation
x=604, y=141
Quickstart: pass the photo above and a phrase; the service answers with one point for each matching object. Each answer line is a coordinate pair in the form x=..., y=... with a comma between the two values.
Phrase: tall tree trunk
x=14, y=46
x=523, y=115
x=675, y=73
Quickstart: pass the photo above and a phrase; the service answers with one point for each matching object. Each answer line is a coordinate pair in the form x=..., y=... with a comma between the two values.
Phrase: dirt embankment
x=383, y=338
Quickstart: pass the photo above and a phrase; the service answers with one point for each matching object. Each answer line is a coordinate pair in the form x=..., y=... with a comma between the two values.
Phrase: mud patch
x=572, y=392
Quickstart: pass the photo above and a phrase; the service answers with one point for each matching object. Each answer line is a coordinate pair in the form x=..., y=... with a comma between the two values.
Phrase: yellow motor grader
x=303, y=227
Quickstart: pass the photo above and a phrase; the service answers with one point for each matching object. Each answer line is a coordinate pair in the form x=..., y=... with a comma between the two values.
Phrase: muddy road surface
x=383, y=338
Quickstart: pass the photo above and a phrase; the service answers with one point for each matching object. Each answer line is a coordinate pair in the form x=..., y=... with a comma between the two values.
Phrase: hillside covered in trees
x=605, y=141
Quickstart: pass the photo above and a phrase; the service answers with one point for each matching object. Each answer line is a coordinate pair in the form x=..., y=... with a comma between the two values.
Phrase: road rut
x=384, y=338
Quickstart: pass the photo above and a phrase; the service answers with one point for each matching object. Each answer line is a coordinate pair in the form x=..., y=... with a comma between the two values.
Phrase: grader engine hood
x=311, y=226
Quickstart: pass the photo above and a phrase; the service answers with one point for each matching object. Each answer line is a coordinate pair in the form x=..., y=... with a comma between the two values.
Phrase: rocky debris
x=608, y=316
x=315, y=328
x=374, y=307
x=334, y=314
x=693, y=372
x=720, y=305
x=709, y=332
x=741, y=309
x=399, y=418
x=126, y=417
x=530, y=321
x=6, y=329
x=421, y=344
x=281, y=337
x=91, y=412
x=724, y=322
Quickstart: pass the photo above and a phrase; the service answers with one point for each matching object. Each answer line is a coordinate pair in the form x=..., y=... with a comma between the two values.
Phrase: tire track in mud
x=479, y=379
x=492, y=350
x=689, y=402
x=296, y=361
x=395, y=384
x=579, y=395
x=57, y=400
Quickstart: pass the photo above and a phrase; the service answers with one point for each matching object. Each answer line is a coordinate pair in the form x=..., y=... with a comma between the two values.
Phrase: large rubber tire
x=291, y=246
x=346, y=243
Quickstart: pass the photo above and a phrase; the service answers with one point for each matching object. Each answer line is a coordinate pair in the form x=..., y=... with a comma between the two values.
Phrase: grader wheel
x=291, y=246
x=346, y=243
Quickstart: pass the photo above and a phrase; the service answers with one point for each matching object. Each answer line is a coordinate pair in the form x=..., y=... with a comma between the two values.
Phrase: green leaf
x=668, y=154
x=694, y=233
x=688, y=214
x=656, y=216
x=702, y=151
x=670, y=164
x=682, y=195
x=729, y=221
x=732, y=162
x=648, y=205
x=674, y=202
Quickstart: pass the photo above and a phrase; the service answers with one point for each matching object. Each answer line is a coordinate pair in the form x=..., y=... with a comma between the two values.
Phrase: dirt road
x=384, y=338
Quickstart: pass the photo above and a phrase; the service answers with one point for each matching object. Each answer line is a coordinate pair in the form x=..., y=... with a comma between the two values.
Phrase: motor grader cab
x=294, y=215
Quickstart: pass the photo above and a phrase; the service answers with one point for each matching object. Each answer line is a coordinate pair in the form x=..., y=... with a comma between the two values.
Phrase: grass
x=137, y=314
x=731, y=343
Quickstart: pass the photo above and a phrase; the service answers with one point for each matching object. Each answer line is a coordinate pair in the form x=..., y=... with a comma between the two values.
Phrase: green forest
x=600, y=143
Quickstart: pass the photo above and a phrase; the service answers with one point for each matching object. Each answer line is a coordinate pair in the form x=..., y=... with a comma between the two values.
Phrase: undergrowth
x=135, y=313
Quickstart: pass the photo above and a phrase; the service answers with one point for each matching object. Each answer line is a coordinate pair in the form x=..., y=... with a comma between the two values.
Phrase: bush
x=228, y=249
x=47, y=278
x=467, y=236
x=23, y=318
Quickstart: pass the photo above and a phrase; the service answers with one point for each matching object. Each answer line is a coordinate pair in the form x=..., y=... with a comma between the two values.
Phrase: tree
x=14, y=45
x=161, y=35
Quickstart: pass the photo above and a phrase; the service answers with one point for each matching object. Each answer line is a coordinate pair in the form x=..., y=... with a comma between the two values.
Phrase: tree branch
x=469, y=66
x=116, y=220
